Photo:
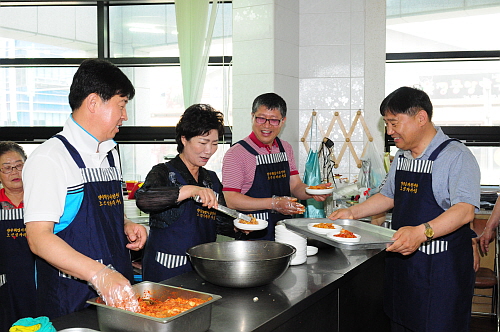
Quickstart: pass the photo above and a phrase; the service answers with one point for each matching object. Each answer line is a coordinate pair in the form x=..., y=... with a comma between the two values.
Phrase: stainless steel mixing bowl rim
x=243, y=260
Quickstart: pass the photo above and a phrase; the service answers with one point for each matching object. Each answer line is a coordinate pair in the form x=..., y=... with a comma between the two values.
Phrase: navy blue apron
x=17, y=270
x=165, y=253
x=431, y=289
x=96, y=231
x=272, y=177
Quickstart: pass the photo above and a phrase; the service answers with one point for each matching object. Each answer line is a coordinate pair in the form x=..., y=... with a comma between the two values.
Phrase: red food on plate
x=319, y=187
x=346, y=234
x=325, y=225
x=253, y=221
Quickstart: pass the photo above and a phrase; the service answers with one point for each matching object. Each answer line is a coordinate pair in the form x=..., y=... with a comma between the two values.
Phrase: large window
x=465, y=93
x=48, y=31
x=42, y=44
x=151, y=31
x=448, y=48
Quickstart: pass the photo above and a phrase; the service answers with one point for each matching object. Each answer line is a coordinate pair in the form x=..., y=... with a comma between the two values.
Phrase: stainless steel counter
x=335, y=287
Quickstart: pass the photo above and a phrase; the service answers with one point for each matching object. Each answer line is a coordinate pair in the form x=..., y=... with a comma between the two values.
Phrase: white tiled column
x=265, y=59
x=326, y=55
x=342, y=61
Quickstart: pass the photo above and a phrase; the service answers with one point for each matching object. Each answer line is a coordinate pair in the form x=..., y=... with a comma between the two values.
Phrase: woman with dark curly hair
x=176, y=221
x=17, y=263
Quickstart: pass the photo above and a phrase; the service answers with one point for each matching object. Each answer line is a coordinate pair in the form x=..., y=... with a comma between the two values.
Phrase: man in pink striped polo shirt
x=259, y=174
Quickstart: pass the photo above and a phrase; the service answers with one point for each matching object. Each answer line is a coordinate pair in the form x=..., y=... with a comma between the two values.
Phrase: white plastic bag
x=372, y=172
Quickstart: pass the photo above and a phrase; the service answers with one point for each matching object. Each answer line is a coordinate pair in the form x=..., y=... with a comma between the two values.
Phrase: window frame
x=127, y=134
x=487, y=136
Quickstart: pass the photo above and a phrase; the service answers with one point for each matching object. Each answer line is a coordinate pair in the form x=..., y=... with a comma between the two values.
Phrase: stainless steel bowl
x=241, y=263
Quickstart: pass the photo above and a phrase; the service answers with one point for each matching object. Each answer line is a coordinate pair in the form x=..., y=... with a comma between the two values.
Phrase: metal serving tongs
x=230, y=212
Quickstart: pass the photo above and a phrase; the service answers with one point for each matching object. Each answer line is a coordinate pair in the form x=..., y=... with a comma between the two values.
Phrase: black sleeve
x=224, y=223
x=158, y=193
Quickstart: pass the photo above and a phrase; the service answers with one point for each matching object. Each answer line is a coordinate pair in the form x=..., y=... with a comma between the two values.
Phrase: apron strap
x=248, y=147
x=440, y=148
x=76, y=155
x=255, y=153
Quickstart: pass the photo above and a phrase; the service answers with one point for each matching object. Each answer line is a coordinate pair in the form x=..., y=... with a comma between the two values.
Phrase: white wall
x=265, y=59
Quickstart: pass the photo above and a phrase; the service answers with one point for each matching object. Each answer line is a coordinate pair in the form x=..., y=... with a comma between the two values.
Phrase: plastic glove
x=114, y=289
x=287, y=205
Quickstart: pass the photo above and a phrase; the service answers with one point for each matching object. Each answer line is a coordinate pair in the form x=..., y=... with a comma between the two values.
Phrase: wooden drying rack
x=347, y=135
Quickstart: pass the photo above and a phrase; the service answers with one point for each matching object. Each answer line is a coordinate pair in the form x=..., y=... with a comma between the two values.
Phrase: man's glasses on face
x=9, y=169
x=272, y=122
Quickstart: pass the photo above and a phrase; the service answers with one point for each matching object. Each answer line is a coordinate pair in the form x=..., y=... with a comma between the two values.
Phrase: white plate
x=318, y=230
x=345, y=239
x=319, y=191
x=250, y=227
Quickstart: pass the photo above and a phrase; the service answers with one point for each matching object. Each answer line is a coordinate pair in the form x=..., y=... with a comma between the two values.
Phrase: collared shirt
x=455, y=174
x=238, y=166
x=7, y=203
x=50, y=171
x=261, y=145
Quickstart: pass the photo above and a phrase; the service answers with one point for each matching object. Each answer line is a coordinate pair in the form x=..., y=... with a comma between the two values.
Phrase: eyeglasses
x=9, y=169
x=272, y=122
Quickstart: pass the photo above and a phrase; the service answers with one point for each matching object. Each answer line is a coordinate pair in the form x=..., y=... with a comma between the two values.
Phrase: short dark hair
x=100, y=77
x=406, y=100
x=271, y=101
x=198, y=120
x=8, y=146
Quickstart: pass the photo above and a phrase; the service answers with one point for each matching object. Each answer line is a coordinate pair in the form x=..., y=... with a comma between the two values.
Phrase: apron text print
x=276, y=175
x=16, y=232
x=409, y=187
x=205, y=214
x=110, y=199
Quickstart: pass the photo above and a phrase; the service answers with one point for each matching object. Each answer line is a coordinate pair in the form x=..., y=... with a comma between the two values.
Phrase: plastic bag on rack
x=312, y=173
x=372, y=172
x=312, y=177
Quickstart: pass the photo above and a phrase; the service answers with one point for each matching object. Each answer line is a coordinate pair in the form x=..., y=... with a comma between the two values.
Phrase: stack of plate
x=283, y=235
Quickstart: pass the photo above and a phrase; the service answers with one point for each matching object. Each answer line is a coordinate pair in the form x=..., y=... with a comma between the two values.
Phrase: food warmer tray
x=196, y=319
x=372, y=236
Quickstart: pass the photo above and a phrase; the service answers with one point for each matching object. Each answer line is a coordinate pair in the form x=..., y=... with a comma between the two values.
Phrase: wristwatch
x=429, y=232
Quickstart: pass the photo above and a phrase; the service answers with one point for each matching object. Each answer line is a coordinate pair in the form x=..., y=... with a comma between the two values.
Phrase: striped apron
x=165, y=252
x=96, y=231
x=431, y=289
x=272, y=177
x=17, y=270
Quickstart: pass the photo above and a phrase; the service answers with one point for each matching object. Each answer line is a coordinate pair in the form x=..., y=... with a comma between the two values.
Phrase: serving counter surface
x=334, y=290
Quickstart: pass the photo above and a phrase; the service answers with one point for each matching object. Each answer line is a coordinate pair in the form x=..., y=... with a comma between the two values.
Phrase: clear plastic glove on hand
x=114, y=289
x=287, y=205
